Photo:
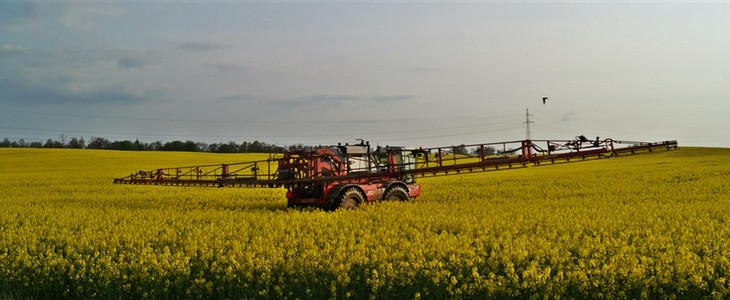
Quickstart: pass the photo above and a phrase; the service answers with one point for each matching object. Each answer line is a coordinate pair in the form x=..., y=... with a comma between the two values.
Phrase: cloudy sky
x=406, y=73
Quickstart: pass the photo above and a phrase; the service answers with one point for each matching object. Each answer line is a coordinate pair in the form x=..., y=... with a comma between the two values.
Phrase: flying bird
x=544, y=99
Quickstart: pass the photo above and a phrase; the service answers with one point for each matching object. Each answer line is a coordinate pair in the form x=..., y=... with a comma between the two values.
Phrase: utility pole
x=527, y=122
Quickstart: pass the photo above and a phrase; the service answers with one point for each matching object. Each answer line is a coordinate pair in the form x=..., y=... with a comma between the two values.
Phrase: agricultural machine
x=346, y=176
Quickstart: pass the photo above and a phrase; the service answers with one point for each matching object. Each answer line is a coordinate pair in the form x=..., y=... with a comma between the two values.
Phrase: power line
x=452, y=134
x=250, y=121
x=391, y=134
x=493, y=123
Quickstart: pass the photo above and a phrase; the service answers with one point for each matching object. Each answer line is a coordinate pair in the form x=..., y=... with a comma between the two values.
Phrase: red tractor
x=347, y=176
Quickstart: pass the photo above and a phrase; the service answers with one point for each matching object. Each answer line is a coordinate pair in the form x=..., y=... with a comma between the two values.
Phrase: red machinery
x=350, y=175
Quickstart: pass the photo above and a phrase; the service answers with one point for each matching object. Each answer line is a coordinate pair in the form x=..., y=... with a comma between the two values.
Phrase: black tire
x=396, y=193
x=351, y=198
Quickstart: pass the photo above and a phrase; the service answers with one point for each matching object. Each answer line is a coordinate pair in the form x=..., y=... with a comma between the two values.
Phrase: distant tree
x=260, y=147
x=121, y=145
x=255, y=147
x=172, y=146
x=461, y=149
x=190, y=146
x=155, y=146
x=276, y=149
x=230, y=147
x=76, y=143
x=98, y=143
x=489, y=150
x=304, y=147
x=52, y=144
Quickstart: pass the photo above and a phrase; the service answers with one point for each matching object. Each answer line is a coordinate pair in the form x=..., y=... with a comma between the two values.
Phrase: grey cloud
x=60, y=91
x=71, y=59
x=237, y=98
x=13, y=12
x=10, y=49
x=228, y=68
x=313, y=100
x=221, y=70
x=569, y=116
x=332, y=100
x=328, y=99
x=393, y=98
x=32, y=77
x=199, y=47
x=339, y=99
x=424, y=70
x=119, y=94
x=129, y=62
x=84, y=18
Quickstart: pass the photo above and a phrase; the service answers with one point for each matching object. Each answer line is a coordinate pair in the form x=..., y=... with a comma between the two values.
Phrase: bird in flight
x=544, y=99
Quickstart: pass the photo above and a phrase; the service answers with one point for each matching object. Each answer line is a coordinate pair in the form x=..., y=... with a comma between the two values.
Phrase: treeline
x=127, y=145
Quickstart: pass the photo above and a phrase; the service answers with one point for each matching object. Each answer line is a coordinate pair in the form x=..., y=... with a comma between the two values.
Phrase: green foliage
x=646, y=226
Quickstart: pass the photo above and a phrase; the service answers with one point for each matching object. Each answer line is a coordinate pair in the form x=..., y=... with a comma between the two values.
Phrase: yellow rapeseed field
x=645, y=226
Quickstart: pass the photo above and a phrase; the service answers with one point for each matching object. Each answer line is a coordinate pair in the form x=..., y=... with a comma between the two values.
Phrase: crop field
x=644, y=226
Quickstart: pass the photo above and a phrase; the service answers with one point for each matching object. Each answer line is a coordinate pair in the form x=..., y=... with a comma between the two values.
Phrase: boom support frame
x=298, y=167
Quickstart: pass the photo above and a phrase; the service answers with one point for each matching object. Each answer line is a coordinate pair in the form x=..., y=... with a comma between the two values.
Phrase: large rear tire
x=396, y=193
x=351, y=198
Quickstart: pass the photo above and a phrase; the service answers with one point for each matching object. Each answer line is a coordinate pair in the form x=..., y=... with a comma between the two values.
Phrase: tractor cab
x=396, y=160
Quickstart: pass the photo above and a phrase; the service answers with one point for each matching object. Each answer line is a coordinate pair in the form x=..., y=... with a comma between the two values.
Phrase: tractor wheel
x=396, y=193
x=351, y=198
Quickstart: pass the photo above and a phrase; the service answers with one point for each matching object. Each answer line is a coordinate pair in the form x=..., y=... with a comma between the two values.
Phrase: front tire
x=396, y=193
x=351, y=198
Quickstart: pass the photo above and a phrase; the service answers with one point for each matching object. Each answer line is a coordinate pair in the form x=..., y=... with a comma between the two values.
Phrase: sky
x=392, y=73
